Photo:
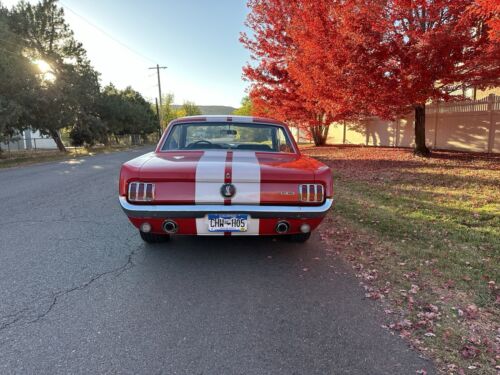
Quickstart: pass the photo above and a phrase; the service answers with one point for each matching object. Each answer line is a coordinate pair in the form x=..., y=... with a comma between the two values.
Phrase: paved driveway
x=81, y=293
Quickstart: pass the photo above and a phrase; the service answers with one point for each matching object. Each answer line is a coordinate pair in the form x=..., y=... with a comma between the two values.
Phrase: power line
x=106, y=33
x=22, y=42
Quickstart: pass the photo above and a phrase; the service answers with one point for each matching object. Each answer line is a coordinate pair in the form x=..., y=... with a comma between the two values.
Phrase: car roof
x=226, y=118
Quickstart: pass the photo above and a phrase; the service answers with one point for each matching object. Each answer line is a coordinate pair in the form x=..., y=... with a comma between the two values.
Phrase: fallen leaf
x=414, y=289
x=373, y=295
x=472, y=311
x=469, y=351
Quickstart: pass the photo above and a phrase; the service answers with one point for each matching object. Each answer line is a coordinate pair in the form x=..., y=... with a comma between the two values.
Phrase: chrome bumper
x=198, y=211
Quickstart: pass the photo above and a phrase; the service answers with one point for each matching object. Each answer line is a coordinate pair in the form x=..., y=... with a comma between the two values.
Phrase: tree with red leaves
x=323, y=60
x=434, y=49
x=489, y=11
x=274, y=89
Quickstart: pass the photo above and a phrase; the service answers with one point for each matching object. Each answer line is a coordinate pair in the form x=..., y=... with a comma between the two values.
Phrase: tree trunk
x=320, y=134
x=105, y=140
x=420, y=146
x=57, y=138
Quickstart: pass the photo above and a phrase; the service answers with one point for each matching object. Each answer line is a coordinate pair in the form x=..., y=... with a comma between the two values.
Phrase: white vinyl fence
x=472, y=125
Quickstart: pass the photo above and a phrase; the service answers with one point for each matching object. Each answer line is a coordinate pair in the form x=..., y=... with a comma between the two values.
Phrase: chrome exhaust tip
x=170, y=226
x=282, y=227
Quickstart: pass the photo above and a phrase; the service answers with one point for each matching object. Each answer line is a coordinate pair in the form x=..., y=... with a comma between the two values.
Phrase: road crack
x=29, y=315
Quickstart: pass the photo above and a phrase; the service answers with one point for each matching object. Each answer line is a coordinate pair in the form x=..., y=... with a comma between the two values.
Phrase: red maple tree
x=275, y=90
x=320, y=60
x=434, y=50
x=489, y=11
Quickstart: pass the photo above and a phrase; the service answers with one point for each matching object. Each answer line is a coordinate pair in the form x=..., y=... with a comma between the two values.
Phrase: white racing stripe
x=246, y=179
x=209, y=179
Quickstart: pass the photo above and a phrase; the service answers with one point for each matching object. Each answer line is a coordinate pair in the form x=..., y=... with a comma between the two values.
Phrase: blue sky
x=197, y=40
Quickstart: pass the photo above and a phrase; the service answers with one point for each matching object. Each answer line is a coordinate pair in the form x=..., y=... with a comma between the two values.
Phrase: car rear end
x=226, y=186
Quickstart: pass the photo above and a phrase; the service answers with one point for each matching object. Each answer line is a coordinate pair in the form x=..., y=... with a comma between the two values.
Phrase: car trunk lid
x=197, y=177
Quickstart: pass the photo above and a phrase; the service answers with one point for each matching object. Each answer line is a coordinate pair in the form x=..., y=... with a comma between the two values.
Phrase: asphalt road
x=81, y=293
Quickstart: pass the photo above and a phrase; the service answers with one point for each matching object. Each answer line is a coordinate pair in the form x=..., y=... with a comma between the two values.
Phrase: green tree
x=84, y=99
x=18, y=83
x=168, y=112
x=246, y=107
x=88, y=130
x=189, y=109
x=126, y=112
x=112, y=109
x=68, y=98
x=142, y=119
x=65, y=95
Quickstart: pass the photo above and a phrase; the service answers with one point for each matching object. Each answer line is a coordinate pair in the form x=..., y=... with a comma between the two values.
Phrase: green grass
x=434, y=223
x=465, y=240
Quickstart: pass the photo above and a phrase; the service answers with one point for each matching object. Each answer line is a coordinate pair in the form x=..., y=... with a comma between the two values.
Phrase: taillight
x=311, y=193
x=141, y=192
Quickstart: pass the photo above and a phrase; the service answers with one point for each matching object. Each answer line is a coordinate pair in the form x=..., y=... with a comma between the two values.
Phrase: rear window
x=228, y=136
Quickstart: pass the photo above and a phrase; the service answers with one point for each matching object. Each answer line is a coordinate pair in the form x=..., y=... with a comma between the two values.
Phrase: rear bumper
x=199, y=211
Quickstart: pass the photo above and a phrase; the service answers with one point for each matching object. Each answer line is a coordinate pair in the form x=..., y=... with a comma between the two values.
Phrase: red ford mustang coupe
x=225, y=176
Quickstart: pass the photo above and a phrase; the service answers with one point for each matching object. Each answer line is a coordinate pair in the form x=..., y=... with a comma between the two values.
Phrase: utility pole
x=159, y=118
x=158, y=67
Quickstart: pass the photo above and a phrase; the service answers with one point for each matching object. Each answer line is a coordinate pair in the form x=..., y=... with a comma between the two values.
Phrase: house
x=29, y=140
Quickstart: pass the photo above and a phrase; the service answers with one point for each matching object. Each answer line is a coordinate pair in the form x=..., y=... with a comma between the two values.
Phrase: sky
x=196, y=39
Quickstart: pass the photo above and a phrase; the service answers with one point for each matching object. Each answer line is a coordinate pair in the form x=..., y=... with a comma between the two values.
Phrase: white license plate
x=227, y=223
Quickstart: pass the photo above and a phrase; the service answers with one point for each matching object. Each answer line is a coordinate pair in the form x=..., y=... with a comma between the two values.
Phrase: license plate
x=227, y=223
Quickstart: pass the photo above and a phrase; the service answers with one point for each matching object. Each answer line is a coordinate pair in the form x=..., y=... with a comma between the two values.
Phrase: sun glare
x=42, y=66
x=46, y=70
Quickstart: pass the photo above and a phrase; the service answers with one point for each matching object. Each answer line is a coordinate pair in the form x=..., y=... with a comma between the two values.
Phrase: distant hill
x=213, y=109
